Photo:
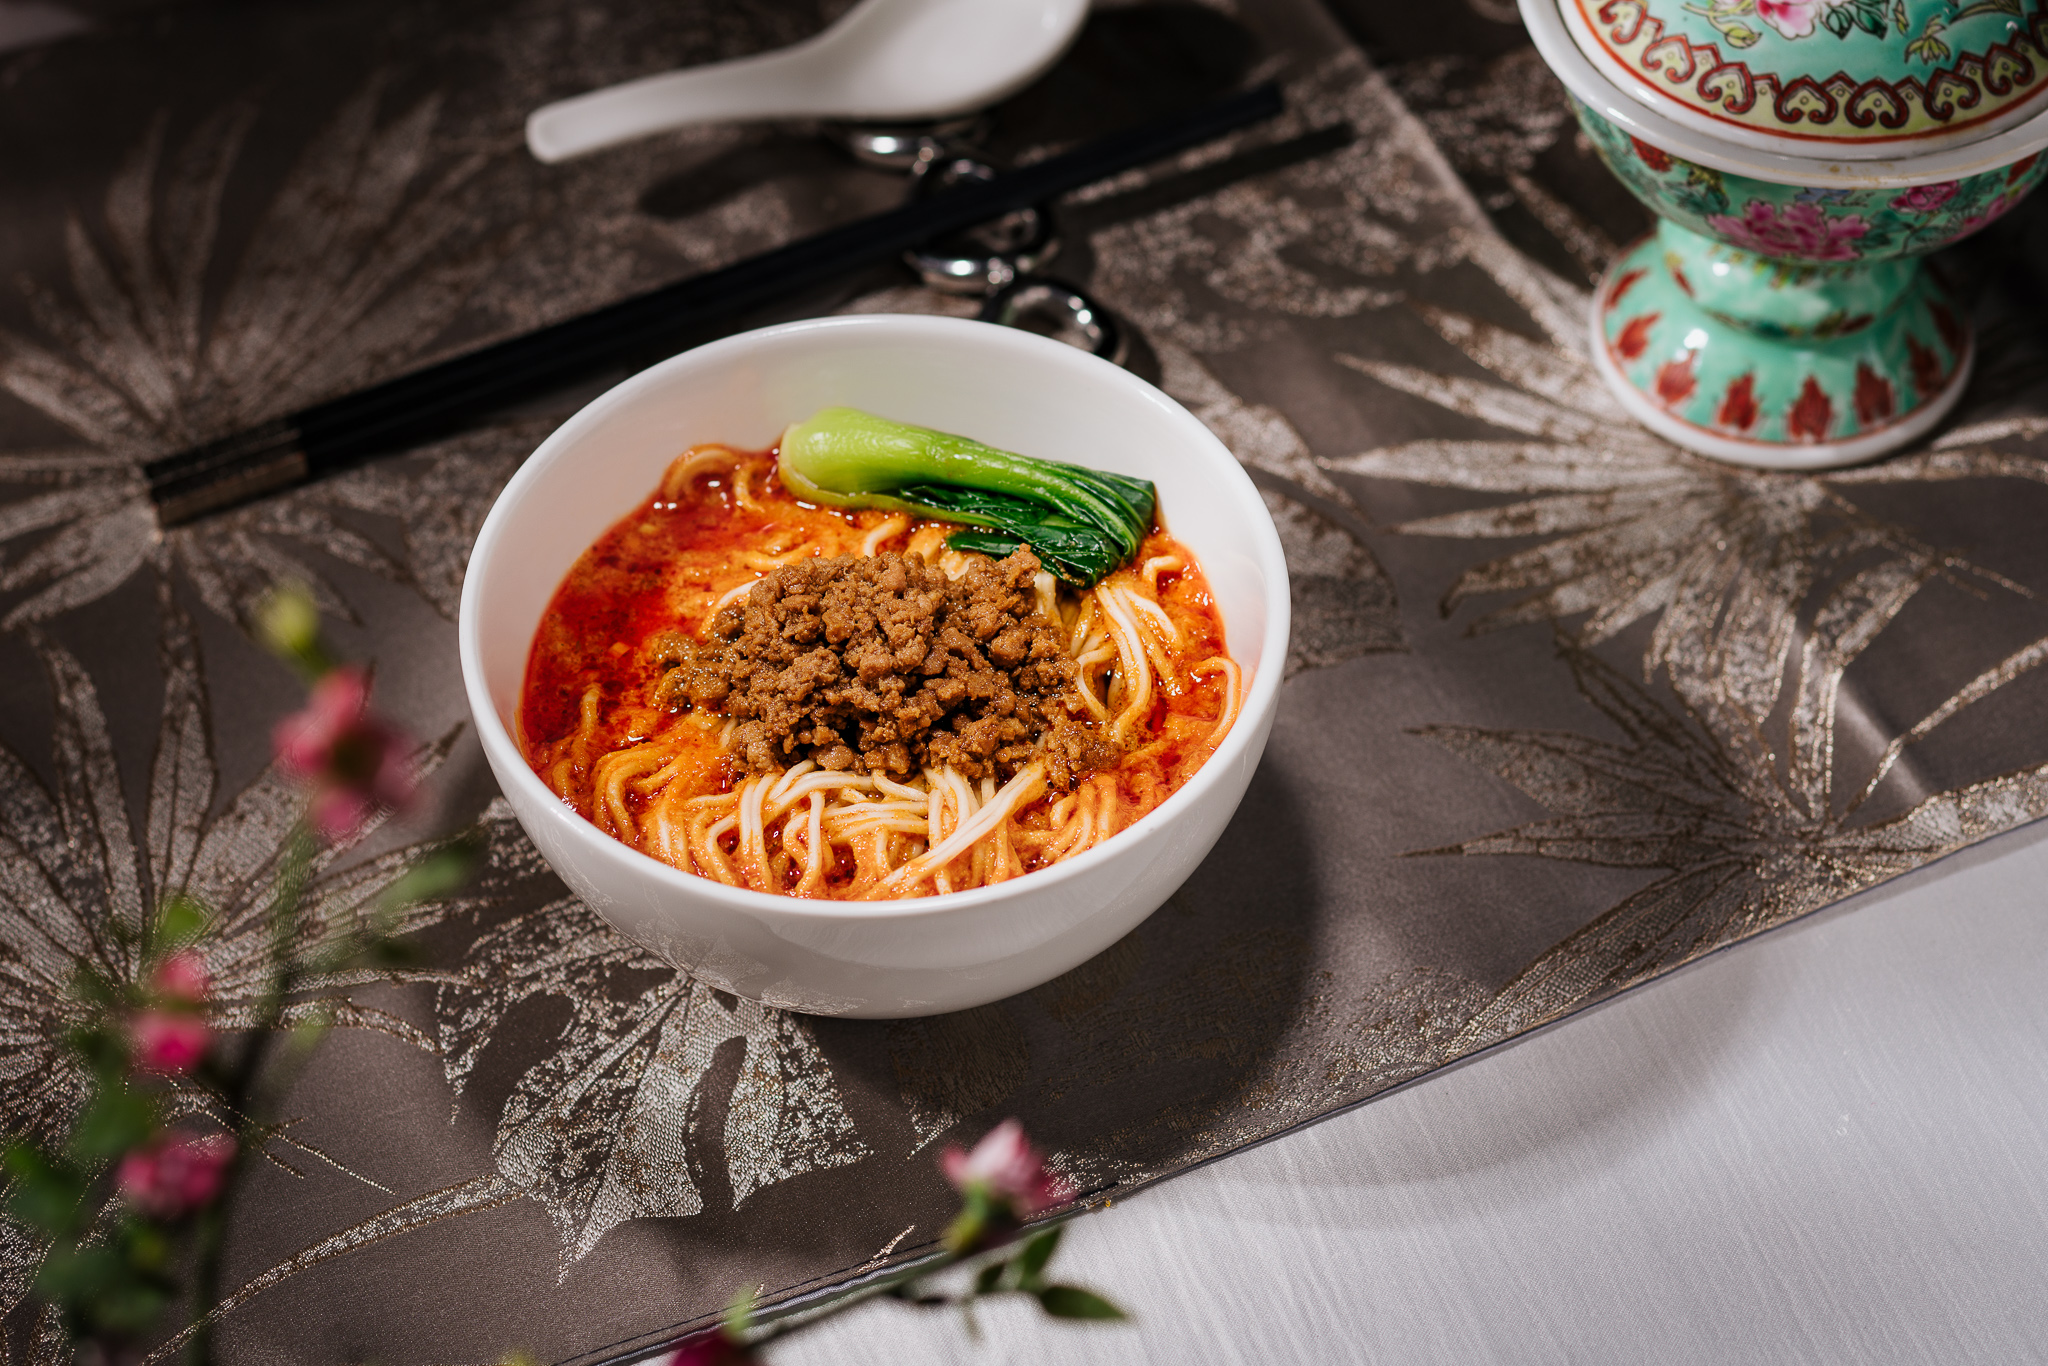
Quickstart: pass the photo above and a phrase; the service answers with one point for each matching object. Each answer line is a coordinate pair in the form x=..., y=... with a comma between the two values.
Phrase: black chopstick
x=440, y=398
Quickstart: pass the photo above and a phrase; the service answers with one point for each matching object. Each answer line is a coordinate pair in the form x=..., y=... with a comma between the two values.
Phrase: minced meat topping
x=883, y=662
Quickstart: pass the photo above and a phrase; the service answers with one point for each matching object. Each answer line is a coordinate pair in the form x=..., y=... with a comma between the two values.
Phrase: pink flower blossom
x=1800, y=230
x=1925, y=198
x=1995, y=209
x=182, y=977
x=337, y=813
x=306, y=740
x=1007, y=1169
x=1793, y=18
x=175, y=1174
x=356, y=762
x=168, y=1042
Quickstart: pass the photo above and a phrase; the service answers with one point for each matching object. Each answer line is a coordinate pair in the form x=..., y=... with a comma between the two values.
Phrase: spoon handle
x=784, y=84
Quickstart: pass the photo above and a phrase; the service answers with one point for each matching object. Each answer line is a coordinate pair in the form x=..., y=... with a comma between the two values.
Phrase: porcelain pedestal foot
x=1777, y=364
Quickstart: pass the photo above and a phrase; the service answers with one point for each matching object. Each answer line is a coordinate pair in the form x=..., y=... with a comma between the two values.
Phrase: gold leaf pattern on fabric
x=603, y=1127
x=1743, y=846
x=465, y=1197
x=368, y=248
x=1402, y=1026
x=1494, y=118
x=1632, y=527
x=438, y=496
x=1343, y=602
x=1343, y=605
x=1324, y=238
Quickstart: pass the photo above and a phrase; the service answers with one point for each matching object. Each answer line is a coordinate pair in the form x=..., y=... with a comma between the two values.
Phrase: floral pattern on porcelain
x=1788, y=222
x=1801, y=229
x=1847, y=72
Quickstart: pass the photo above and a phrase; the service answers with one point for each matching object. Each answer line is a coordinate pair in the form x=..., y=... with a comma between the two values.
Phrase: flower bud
x=169, y=1042
x=709, y=1349
x=182, y=978
x=289, y=623
x=175, y=1174
x=1007, y=1171
x=356, y=763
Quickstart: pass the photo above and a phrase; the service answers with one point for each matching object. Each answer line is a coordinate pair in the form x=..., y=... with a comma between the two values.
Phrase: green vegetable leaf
x=1072, y=1302
x=1082, y=523
x=994, y=544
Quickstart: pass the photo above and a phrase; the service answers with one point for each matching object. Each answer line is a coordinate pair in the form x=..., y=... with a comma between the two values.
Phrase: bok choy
x=1081, y=523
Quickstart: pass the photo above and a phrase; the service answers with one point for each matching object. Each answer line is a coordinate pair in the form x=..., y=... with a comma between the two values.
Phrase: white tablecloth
x=1826, y=1145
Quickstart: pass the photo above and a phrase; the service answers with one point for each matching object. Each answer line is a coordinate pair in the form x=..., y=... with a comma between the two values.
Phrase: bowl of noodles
x=876, y=666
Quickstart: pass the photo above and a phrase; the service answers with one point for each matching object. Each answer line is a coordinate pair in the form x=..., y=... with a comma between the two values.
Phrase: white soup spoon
x=884, y=59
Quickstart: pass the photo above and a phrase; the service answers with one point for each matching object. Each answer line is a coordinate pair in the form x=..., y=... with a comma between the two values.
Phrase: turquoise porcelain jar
x=1804, y=158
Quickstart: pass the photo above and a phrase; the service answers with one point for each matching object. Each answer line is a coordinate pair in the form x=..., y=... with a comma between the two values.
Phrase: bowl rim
x=1549, y=31
x=1260, y=697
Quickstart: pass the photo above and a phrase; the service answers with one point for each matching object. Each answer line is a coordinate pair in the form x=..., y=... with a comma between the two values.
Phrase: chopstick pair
x=439, y=398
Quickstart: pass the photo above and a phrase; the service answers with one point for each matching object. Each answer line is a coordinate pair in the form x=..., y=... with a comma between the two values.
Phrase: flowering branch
x=1002, y=1183
x=128, y=1185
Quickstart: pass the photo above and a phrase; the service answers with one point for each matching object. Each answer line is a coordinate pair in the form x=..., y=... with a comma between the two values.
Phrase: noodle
x=883, y=534
x=1149, y=667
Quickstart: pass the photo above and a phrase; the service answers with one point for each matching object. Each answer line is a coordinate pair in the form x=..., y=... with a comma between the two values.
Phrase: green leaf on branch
x=435, y=875
x=48, y=1196
x=1030, y=1261
x=105, y=1289
x=181, y=921
x=990, y=1277
x=145, y=1244
x=309, y=1030
x=1838, y=21
x=1072, y=1302
x=95, y=990
x=102, y=1049
x=739, y=1315
x=118, y=1119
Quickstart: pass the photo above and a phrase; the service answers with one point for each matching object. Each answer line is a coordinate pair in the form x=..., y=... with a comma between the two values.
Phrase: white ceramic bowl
x=1008, y=388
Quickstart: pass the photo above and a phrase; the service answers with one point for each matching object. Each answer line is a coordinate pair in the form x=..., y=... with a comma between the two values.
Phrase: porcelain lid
x=1839, y=78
